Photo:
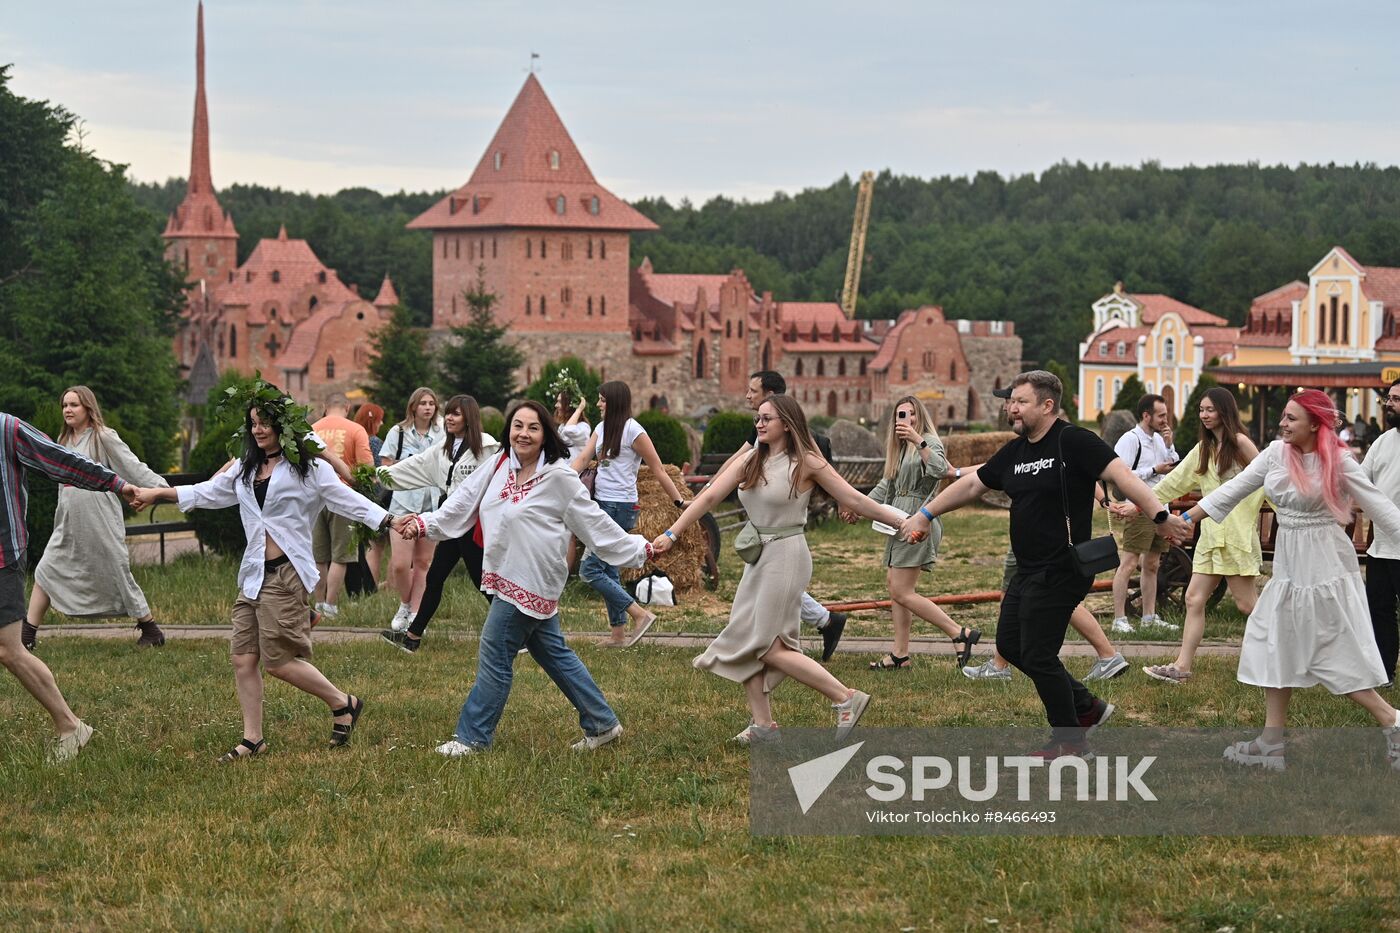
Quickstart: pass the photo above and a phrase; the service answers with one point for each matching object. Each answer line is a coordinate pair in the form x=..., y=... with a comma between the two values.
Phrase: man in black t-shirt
x=1037, y=604
x=763, y=385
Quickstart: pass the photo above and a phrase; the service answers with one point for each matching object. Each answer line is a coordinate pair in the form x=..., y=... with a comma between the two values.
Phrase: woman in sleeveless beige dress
x=759, y=647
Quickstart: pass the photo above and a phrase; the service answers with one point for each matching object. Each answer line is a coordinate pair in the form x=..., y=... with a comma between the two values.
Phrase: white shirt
x=286, y=515
x=406, y=501
x=434, y=469
x=1153, y=449
x=617, y=477
x=576, y=436
x=526, y=531
x=1382, y=466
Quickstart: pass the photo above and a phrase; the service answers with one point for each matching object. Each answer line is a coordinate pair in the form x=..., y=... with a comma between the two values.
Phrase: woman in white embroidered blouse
x=526, y=505
x=442, y=468
x=278, y=501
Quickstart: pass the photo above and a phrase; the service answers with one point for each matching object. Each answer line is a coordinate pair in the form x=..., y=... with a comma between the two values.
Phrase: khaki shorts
x=1138, y=535
x=277, y=625
x=330, y=539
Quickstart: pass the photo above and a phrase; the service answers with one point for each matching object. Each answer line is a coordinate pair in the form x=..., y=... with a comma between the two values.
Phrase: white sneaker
x=455, y=749
x=1122, y=626
x=400, y=622
x=589, y=742
x=987, y=670
x=849, y=712
x=68, y=746
x=1160, y=622
x=327, y=610
x=754, y=734
x=1107, y=668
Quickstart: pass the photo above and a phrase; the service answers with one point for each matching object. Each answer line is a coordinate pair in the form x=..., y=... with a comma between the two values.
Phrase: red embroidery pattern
x=515, y=493
x=514, y=592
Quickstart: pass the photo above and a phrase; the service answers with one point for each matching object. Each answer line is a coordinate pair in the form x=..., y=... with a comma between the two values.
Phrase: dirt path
x=853, y=644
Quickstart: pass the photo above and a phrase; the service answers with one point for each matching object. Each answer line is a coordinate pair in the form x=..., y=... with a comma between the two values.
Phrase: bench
x=153, y=527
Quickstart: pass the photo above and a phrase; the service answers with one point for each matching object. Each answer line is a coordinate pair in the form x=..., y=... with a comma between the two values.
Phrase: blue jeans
x=505, y=631
x=601, y=575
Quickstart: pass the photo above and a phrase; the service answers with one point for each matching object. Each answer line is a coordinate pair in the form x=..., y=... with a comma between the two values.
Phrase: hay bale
x=685, y=561
x=967, y=449
x=849, y=439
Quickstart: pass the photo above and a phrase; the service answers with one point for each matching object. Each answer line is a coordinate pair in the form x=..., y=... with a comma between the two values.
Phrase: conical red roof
x=530, y=165
x=387, y=296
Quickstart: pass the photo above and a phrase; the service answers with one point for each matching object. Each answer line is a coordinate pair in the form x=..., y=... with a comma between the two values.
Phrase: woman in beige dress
x=86, y=568
x=759, y=646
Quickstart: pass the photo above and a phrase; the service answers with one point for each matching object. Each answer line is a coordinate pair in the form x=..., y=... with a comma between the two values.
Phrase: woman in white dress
x=759, y=647
x=1310, y=625
x=86, y=568
x=421, y=429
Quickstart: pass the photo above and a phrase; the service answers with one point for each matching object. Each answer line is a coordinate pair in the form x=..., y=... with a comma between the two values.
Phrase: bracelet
x=926, y=513
x=649, y=551
x=668, y=533
x=957, y=473
x=678, y=503
x=422, y=527
x=1186, y=516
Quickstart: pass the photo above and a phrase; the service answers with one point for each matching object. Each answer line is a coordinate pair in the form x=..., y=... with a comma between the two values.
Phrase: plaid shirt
x=24, y=446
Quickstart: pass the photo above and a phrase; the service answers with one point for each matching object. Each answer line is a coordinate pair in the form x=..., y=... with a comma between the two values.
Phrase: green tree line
x=1034, y=249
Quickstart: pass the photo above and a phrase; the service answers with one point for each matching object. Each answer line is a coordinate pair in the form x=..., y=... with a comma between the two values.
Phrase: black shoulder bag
x=1096, y=555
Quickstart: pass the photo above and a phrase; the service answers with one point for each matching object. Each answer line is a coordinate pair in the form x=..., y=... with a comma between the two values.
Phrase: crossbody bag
x=1092, y=557
x=748, y=543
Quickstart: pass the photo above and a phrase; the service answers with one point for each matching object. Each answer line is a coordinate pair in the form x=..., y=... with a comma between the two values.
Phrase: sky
x=740, y=99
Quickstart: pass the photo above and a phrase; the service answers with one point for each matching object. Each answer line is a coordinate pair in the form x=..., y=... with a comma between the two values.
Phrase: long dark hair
x=253, y=456
x=1225, y=453
x=471, y=430
x=800, y=444
x=554, y=447
x=619, y=402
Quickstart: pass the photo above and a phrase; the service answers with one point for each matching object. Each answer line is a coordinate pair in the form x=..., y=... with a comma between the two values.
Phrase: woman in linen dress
x=1311, y=624
x=86, y=568
x=914, y=463
x=1227, y=550
x=759, y=646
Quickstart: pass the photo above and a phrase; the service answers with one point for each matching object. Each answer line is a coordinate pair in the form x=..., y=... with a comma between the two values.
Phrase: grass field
x=143, y=830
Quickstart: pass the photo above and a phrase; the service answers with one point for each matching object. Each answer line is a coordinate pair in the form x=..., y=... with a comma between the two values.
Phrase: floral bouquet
x=564, y=382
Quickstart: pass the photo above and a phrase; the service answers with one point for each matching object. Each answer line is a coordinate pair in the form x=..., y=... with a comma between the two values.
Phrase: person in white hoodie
x=525, y=504
x=442, y=468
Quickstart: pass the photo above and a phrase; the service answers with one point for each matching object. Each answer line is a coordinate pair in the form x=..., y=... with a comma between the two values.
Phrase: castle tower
x=199, y=234
x=547, y=239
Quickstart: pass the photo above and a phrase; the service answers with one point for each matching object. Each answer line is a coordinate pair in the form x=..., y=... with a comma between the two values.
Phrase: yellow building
x=1345, y=314
x=1164, y=342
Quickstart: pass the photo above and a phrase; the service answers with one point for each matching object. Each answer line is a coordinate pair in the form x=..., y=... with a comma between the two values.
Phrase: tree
x=86, y=296
x=399, y=364
x=588, y=381
x=672, y=445
x=1188, y=432
x=1069, y=385
x=1131, y=393
x=480, y=361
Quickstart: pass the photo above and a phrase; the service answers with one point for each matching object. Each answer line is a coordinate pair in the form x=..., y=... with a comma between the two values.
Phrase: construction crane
x=857, y=254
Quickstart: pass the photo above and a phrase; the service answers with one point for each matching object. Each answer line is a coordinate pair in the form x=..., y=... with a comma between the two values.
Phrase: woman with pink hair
x=1311, y=624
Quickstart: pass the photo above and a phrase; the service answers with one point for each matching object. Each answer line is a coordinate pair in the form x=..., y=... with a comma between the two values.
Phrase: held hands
x=1175, y=529
x=132, y=495
x=849, y=517
x=406, y=526
x=1123, y=509
x=914, y=528
x=662, y=543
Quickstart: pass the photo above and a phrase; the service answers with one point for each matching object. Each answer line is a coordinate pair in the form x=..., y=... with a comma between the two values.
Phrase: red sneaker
x=1098, y=714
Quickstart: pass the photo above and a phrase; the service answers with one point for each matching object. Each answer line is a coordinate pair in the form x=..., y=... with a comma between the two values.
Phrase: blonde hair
x=800, y=445
x=894, y=445
x=413, y=401
x=94, y=413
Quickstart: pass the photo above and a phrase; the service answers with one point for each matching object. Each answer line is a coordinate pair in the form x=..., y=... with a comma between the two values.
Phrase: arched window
x=554, y=162
x=544, y=249
x=590, y=305
x=952, y=370
x=1346, y=323
x=602, y=249
x=1322, y=323
x=1098, y=393
x=603, y=305
x=1169, y=350
x=700, y=361
x=544, y=310
x=559, y=205
x=311, y=305
x=498, y=159
x=233, y=340
x=729, y=328
x=330, y=367
x=841, y=366
x=528, y=307
x=529, y=248
x=904, y=371
x=821, y=366
x=1121, y=349
x=653, y=375
x=799, y=367
x=863, y=364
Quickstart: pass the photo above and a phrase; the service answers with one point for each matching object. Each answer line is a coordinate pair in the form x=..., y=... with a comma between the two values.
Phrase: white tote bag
x=656, y=590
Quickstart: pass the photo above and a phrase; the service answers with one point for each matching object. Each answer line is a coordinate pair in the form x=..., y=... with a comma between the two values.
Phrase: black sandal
x=967, y=637
x=237, y=752
x=890, y=662
x=340, y=731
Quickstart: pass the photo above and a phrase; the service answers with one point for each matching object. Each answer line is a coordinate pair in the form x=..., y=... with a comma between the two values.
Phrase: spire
x=387, y=297
x=201, y=179
x=282, y=232
x=200, y=214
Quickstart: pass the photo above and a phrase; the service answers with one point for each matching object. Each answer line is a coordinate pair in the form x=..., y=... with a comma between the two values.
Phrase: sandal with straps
x=243, y=749
x=1256, y=753
x=890, y=662
x=967, y=637
x=340, y=731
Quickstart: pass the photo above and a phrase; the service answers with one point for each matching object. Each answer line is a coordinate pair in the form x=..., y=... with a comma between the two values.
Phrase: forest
x=1034, y=249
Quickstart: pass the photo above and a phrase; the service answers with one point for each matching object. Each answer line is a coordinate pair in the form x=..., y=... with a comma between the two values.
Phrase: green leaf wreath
x=276, y=406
